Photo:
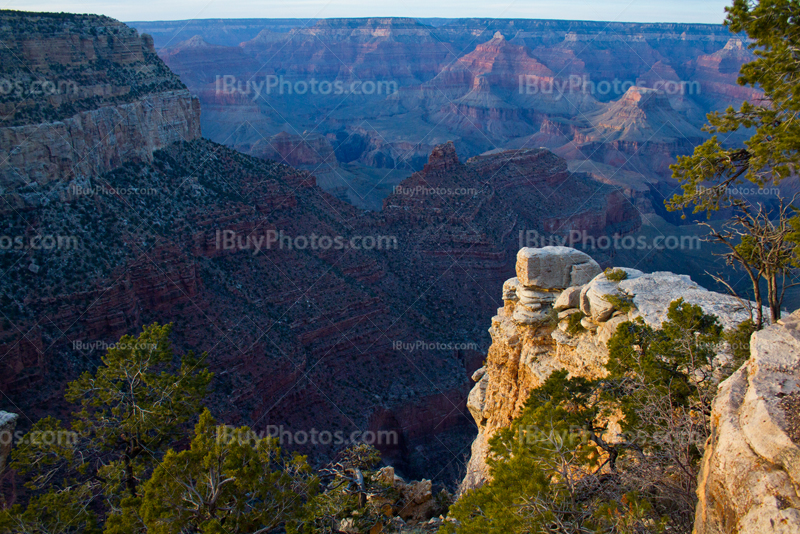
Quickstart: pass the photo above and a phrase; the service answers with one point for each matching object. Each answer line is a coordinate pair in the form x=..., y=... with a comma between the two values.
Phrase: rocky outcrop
x=307, y=151
x=750, y=477
x=87, y=94
x=96, y=141
x=532, y=334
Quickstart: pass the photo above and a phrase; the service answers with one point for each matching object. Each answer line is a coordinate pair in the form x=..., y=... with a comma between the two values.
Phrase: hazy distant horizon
x=641, y=11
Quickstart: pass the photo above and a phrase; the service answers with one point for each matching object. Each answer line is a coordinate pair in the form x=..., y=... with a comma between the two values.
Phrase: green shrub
x=621, y=302
x=574, y=326
x=615, y=275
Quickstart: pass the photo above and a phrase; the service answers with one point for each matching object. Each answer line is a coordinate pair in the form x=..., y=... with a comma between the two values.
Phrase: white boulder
x=553, y=267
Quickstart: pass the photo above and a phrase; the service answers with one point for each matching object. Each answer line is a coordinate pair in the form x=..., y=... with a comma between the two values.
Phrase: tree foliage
x=761, y=247
x=771, y=154
x=226, y=482
x=133, y=407
x=117, y=466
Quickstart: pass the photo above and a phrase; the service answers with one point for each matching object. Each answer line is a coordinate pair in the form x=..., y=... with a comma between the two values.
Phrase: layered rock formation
x=298, y=336
x=531, y=334
x=750, y=477
x=619, y=100
x=82, y=95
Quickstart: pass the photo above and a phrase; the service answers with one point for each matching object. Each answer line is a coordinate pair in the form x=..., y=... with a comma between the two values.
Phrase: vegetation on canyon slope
x=616, y=454
x=121, y=464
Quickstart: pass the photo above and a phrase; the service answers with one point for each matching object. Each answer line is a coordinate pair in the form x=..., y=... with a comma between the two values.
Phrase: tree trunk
x=130, y=480
x=774, y=298
x=759, y=307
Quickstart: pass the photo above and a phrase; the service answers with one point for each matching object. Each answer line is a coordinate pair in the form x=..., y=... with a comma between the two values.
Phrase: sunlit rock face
x=530, y=338
x=750, y=477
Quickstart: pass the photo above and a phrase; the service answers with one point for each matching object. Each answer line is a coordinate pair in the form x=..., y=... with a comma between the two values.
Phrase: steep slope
x=123, y=222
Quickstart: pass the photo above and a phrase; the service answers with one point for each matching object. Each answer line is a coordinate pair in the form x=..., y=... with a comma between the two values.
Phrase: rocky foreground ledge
x=531, y=337
x=750, y=477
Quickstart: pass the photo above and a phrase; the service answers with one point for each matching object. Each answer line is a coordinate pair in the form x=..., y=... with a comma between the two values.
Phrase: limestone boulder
x=569, y=298
x=652, y=294
x=594, y=301
x=583, y=273
x=530, y=315
x=529, y=297
x=609, y=328
x=554, y=267
x=477, y=399
x=510, y=288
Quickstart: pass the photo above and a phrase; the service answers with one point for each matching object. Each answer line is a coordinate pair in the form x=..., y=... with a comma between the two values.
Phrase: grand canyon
x=330, y=211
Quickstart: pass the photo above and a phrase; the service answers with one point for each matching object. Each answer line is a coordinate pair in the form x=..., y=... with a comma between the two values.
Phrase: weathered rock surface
x=415, y=501
x=96, y=141
x=569, y=298
x=594, y=296
x=554, y=267
x=524, y=352
x=750, y=477
x=653, y=292
x=106, y=99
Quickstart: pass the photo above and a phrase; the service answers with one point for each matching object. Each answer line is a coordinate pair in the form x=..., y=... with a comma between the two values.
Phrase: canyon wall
x=81, y=96
x=619, y=99
x=339, y=338
x=750, y=477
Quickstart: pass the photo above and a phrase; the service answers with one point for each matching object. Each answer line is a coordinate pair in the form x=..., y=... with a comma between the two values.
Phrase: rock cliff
x=81, y=95
x=750, y=477
x=531, y=334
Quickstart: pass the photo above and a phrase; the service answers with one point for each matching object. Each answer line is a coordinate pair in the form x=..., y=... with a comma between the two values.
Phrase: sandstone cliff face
x=530, y=338
x=93, y=142
x=82, y=94
x=750, y=477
